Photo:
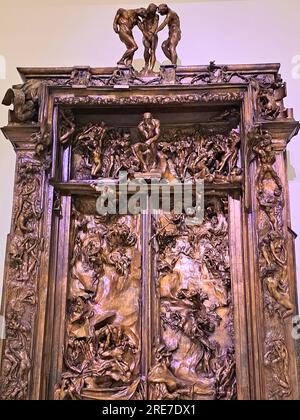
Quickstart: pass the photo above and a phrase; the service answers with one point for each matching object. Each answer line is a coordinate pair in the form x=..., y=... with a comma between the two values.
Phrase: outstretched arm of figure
x=141, y=26
x=154, y=29
x=141, y=130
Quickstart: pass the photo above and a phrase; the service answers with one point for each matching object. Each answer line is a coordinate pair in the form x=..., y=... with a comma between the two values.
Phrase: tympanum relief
x=185, y=153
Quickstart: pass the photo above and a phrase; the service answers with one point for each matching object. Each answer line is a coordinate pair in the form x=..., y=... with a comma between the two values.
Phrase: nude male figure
x=146, y=152
x=124, y=23
x=173, y=22
x=149, y=26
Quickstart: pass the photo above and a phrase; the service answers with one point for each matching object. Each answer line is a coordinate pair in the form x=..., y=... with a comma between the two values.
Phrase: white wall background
x=79, y=32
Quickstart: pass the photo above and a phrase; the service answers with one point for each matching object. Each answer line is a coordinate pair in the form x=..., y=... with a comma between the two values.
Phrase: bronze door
x=147, y=305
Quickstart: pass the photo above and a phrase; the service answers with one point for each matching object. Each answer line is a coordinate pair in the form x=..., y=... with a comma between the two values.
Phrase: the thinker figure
x=149, y=26
x=146, y=151
x=173, y=22
x=124, y=23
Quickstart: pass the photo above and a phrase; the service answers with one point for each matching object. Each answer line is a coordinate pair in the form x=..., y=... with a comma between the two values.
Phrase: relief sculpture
x=182, y=154
x=273, y=263
x=25, y=99
x=102, y=344
x=146, y=150
x=273, y=252
x=24, y=259
x=195, y=356
x=158, y=305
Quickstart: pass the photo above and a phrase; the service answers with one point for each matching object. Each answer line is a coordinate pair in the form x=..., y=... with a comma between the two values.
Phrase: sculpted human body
x=149, y=28
x=124, y=23
x=173, y=22
x=146, y=152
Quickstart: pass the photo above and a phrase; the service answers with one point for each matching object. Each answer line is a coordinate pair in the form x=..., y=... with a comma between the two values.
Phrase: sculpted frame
x=261, y=239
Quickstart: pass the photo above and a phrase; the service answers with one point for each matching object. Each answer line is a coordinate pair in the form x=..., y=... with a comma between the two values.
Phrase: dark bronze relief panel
x=198, y=146
x=191, y=317
x=273, y=263
x=103, y=323
x=184, y=153
x=194, y=355
x=23, y=271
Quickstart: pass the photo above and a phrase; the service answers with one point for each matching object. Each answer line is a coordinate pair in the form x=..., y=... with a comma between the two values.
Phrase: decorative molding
x=102, y=355
x=218, y=294
x=204, y=97
x=26, y=100
x=26, y=245
x=180, y=154
x=273, y=266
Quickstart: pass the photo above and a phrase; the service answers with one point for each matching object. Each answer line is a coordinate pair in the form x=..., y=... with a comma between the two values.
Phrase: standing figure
x=149, y=26
x=124, y=23
x=146, y=152
x=93, y=137
x=173, y=22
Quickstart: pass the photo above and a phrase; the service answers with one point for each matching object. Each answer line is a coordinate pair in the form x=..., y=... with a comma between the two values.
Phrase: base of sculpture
x=152, y=175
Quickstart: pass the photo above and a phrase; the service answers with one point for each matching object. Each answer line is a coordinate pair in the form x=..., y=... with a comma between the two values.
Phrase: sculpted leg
x=137, y=151
x=131, y=48
x=153, y=52
x=172, y=48
x=147, y=55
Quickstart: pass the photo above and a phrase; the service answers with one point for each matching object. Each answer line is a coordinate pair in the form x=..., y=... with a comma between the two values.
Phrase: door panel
x=103, y=322
x=194, y=355
x=149, y=322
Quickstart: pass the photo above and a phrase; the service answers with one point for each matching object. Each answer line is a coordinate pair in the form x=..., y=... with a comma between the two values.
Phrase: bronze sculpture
x=149, y=28
x=173, y=22
x=93, y=138
x=147, y=21
x=146, y=152
x=150, y=306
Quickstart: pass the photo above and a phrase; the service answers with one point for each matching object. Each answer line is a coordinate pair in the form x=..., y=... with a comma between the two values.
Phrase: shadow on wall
x=292, y=174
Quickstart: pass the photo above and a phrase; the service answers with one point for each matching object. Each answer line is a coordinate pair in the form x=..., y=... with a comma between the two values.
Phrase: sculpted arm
x=155, y=26
x=141, y=26
x=163, y=25
x=141, y=130
x=116, y=27
x=157, y=133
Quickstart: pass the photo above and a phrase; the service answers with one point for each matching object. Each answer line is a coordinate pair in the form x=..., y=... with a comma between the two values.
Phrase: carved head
x=152, y=9
x=126, y=139
x=163, y=9
x=142, y=12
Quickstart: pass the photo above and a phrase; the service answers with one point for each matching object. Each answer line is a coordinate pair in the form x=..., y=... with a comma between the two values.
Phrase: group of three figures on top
x=147, y=20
